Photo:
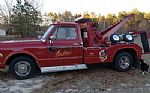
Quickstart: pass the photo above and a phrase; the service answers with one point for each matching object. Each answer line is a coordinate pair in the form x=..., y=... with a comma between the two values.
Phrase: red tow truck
x=72, y=46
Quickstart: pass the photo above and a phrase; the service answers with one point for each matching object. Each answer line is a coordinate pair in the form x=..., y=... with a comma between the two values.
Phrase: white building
x=2, y=32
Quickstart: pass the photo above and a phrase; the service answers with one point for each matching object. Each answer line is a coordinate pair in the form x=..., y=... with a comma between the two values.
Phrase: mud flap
x=145, y=42
x=137, y=64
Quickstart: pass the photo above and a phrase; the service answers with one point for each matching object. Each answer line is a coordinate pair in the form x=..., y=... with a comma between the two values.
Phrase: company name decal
x=63, y=53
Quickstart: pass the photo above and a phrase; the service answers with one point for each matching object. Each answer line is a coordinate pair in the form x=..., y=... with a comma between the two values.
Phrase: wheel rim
x=124, y=62
x=22, y=68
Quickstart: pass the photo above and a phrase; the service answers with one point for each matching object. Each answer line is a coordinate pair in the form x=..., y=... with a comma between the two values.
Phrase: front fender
x=19, y=53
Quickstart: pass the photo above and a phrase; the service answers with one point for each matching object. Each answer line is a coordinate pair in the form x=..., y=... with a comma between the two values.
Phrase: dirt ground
x=97, y=79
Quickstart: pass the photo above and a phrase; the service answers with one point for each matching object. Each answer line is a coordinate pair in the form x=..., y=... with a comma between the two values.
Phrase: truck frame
x=72, y=46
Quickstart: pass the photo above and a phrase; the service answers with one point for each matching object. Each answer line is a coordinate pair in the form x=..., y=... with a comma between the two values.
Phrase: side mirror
x=52, y=38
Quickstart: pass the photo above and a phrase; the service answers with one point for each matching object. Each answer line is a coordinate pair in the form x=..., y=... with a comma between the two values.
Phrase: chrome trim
x=43, y=40
x=1, y=55
x=67, y=46
x=81, y=43
x=22, y=68
x=63, y=68
x=97, y=47
x=124, y=62
x=18, y=41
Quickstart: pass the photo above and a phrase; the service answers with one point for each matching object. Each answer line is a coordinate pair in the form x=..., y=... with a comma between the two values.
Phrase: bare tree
x=5, y=13
x=36, y=3
x=6, y=7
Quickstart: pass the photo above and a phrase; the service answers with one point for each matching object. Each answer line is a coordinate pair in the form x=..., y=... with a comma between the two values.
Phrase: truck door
x=65, y=48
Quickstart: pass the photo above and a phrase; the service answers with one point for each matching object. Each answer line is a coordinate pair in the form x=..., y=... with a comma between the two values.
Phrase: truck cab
x=64, y=42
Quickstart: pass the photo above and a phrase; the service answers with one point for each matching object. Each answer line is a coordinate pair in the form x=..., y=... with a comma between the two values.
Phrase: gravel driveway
x=97, y=79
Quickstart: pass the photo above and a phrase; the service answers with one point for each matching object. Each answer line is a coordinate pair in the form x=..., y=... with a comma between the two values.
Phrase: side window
x=65, y=33
x=61, y=34
x=55, y=34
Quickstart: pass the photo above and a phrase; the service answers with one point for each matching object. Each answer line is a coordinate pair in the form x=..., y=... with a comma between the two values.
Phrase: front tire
x=123, y=61
x=22, y=67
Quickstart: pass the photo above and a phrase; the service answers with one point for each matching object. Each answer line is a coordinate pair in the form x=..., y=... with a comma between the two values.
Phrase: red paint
x=69, y=52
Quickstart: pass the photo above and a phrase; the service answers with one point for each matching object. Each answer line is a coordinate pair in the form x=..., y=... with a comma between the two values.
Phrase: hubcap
x=22, y=68
x=124, y=62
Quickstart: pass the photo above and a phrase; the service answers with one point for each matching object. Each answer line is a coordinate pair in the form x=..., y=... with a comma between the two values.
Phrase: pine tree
x=25, y=19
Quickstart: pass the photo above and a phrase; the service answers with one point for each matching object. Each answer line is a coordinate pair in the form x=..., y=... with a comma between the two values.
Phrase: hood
x=20, y=43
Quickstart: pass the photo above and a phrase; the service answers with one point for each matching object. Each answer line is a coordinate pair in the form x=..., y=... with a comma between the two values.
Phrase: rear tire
x=22, y=67
x=123, y=61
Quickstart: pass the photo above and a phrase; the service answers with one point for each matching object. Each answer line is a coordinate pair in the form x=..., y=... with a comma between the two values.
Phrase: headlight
x=115, y=38
x=128, y=38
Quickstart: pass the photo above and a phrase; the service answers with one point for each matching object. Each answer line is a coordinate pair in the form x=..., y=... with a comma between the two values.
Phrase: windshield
x=48, y=31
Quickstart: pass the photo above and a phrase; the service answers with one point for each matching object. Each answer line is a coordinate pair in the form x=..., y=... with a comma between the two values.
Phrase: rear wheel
x=22, y=67
x=123, y=61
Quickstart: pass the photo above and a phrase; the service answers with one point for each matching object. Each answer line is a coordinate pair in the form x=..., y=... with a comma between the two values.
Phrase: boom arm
x=106, y=33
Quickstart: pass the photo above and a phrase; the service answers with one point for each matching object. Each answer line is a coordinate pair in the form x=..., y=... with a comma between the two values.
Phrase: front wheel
x=22, y=67
x=123, y=61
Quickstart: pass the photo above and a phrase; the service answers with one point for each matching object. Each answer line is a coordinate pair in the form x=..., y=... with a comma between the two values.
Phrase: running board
x=63, y=68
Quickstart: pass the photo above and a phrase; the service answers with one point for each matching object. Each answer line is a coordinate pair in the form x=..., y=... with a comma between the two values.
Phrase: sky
x=102, y=7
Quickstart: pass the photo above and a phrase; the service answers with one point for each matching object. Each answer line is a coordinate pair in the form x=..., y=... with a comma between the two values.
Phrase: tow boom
x=109, y=31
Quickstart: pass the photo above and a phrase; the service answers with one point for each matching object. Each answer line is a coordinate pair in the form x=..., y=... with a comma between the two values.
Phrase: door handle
x=75, y=44
x=52, y=48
